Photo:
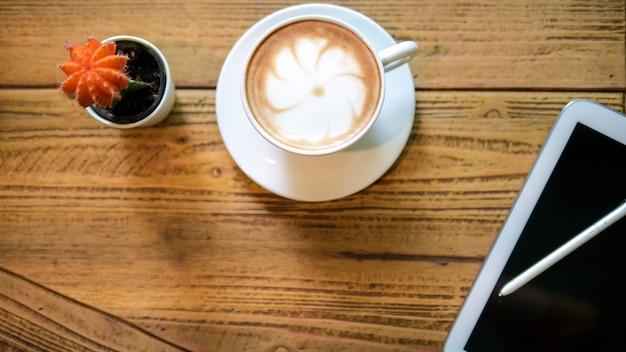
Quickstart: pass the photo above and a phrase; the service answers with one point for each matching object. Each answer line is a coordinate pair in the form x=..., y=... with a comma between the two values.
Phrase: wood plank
x=191, y=289
x=33, y=318
x=159, y=227
x=466, y=158
x=565, y=44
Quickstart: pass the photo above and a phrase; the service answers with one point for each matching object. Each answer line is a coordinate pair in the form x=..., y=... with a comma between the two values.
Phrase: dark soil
x=142, y=66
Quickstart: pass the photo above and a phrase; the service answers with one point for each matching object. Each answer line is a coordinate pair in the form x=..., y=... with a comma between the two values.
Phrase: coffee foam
x=313, y=84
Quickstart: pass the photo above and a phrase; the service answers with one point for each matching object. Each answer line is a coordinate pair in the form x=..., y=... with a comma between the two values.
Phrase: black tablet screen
x=579, y=303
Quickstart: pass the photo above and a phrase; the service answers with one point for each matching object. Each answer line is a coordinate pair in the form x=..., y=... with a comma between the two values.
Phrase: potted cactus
x=123, y=82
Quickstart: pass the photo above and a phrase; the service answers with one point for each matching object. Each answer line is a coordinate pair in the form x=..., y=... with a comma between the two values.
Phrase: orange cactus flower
x=95, y=74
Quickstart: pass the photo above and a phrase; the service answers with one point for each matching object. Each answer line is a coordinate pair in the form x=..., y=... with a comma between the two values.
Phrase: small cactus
x=95, y=74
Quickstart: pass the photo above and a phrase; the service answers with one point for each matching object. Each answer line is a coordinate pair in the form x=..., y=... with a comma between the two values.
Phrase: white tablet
x=579, y=303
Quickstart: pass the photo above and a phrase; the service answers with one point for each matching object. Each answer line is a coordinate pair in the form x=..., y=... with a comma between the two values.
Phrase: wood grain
x=481, y=44
x=160, y=228
x=35, y=319
x=155, y=239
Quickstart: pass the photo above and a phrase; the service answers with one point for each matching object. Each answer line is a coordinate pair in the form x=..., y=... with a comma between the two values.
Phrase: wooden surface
x=154, y=239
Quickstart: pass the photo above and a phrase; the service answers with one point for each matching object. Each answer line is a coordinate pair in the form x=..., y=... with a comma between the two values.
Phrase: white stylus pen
x=564, y=250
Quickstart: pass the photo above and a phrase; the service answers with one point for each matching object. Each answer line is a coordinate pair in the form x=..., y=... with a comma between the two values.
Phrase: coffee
x=313, y=84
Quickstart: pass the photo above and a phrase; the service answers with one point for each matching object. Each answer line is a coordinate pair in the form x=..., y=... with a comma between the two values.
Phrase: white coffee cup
x=314, y=85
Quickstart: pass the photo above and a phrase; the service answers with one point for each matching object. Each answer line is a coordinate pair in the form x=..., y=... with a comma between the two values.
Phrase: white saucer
x=317, y=178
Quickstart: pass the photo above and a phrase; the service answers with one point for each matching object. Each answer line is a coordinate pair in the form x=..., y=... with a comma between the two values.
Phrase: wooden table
x=154, y=239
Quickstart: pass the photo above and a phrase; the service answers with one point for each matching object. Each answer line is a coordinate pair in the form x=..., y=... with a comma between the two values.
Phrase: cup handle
x=398, y=55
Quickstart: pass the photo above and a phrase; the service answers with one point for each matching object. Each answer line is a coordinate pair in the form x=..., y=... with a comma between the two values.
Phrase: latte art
x=316, y=90
x=313, y=84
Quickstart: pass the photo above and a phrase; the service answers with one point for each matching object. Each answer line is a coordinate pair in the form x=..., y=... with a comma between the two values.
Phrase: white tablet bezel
x=599, y=118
